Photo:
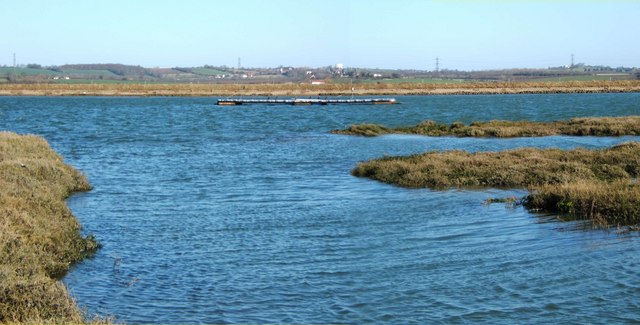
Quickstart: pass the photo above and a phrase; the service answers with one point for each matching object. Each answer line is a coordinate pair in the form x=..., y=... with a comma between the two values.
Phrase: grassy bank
x=594, y=126
x=39, y=237
x=588, y=184
x=306, y=89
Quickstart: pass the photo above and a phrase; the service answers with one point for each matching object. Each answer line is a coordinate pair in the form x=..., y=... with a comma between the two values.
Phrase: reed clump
x=39, y=237
x=614, y=203
x=589, y=184
x=583, y=126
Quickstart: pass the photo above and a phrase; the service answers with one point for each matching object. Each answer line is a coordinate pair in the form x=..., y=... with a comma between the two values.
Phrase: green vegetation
x=39, y=237
x=9, y=71
x=587, y=78
x=587, y=184
x=595, y=126
x=93, y=81
x=89, y=73
x=207, y=71
x=403, y=80
x=116, y=69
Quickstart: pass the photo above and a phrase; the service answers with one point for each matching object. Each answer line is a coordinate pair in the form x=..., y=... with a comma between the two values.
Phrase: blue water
x=249, y=215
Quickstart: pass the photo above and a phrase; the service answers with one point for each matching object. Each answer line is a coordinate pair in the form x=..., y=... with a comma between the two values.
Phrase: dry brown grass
x=589, y=184
x=583, y=126
x=39, y=237
x=306, y=89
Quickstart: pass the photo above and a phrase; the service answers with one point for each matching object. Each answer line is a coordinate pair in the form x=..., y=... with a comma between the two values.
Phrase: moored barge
x=306, y=101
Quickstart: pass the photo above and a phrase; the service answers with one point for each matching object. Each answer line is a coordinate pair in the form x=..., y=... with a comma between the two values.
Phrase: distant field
x=586, y=78
x=425, y=80
x=7, y=71
x=401, y=80
x=30, y=72
x=207, y=71
x=90, y=73
x=94, y=81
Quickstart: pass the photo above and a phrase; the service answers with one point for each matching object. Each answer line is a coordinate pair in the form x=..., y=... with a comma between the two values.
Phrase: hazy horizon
x=464, y=35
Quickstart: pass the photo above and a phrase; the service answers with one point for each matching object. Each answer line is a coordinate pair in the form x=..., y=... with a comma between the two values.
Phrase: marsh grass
x=39, y=237
x=583, y=126
x=330, y=89
x=588, y=184
x=614, y=203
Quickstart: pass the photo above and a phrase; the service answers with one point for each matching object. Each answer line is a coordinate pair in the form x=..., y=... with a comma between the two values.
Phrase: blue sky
x=464, y=34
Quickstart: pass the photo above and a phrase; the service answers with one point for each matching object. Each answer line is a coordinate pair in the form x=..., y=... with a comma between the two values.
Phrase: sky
x=391, y=34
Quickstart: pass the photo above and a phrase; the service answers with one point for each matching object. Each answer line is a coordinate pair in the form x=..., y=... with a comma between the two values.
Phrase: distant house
x=318, y=82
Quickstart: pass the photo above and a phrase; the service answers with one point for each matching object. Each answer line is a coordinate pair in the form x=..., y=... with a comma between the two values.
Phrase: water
x=249, y=215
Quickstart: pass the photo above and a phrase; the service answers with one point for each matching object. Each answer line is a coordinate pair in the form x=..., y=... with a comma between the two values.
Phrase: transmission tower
x=239, y=63
x=437, y=64
x=572, y=60
x=13, y=71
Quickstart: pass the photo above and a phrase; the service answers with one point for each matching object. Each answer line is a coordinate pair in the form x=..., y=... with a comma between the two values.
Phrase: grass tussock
x=39, y=237
x=583, y=126
x=606, y=203
x=589, y=184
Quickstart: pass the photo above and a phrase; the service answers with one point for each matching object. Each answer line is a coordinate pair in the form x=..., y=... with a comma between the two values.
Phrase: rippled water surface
x=249, y=215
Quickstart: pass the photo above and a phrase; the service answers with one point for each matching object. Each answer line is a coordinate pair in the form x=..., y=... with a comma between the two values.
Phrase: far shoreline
x=308, y=90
